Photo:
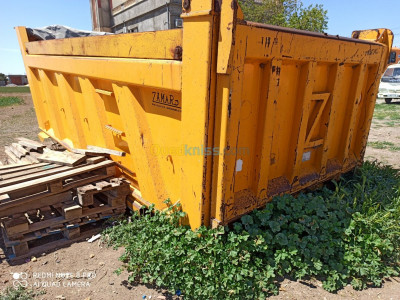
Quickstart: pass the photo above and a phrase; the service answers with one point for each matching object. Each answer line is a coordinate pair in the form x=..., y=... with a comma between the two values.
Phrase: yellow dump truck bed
x=221, y=115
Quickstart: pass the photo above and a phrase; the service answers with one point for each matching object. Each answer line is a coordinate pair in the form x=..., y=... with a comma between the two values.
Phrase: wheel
x=388, y=100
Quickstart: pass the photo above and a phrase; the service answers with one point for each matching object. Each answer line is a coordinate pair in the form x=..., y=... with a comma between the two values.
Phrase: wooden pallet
x=67, y=213
x=59, y=195
x=51, y=242
x=64, y=218
x=46, y=184
x=50, y=220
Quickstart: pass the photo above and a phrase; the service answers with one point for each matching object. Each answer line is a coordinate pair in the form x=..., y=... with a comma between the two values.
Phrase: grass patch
x=9, y=100
x=387, y=112
x=384, y=145
x=15, y=89
x=346, y=234
x=20, y=293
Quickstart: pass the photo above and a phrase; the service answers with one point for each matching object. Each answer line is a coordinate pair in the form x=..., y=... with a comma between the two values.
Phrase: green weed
x=349, y=233
x=390, y=113
x=20, y=293
x=15, y=89
x=384, y=145
x=7, y=101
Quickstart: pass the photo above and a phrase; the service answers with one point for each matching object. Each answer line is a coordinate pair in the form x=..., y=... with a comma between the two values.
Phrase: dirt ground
x=17, y=121
x=86, y=270
x=80, y=271
x=382, y=132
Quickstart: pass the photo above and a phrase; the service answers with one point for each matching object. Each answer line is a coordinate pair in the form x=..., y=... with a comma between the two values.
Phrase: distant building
x=121, y=16
x=17, y=79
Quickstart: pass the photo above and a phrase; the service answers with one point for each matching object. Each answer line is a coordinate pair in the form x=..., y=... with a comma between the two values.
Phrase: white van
x=389, y=88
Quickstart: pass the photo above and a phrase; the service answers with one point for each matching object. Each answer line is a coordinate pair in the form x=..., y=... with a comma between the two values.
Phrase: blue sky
x=348, y=15
x=35, y=13
x=344, y=17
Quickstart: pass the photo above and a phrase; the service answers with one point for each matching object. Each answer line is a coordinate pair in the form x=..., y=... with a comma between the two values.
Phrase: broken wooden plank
x=53, y=144
x=11, y=155
x=72, y=211
x=20, y=249
x=72, y=233
x=34, y=154
x=20, y=167
x=36, y=201
x=18, y=150
x=25, y=160
x=65, y=158
x=11, y=162
x=21, y=179
x=15, y=226
x=30, y=144
x=85, y=194
x=102, y=185
x=115, y=201
x=133, y=204
x=118, y=187
x=12, y=166
x=105, y=150
x=31, y=159
x=95, y=160
x=138, y=197
x=96, y=210
x=4, y=198
x=89, y=152
x=28, y=171
x=85, y=199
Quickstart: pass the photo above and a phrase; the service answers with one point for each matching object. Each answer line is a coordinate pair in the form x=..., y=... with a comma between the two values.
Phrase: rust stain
x=169, y=158
x=308, y=178
x=234, y=5
x=278, y=186
x=243, y=201
x=272, y=159
x=177, y=52
x=332, y=166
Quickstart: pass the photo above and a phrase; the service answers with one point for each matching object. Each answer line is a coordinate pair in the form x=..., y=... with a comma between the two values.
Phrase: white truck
x=389, y=88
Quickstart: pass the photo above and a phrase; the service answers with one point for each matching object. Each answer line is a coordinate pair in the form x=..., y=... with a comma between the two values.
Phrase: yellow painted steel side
x=140, y=98
x=294, y=112
x=221, y=115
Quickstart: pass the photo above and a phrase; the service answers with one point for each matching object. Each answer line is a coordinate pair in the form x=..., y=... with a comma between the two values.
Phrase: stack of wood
x=24, y=151
x=28, y=151
x=45, y=205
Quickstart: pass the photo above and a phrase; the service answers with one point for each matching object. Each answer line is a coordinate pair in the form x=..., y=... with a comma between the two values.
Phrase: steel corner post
x=198, y=86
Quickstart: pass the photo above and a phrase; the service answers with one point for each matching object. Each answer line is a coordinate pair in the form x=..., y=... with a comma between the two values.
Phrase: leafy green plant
x=20, y=293
x=346, y=234
x=7, y=101
x=286, y=13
